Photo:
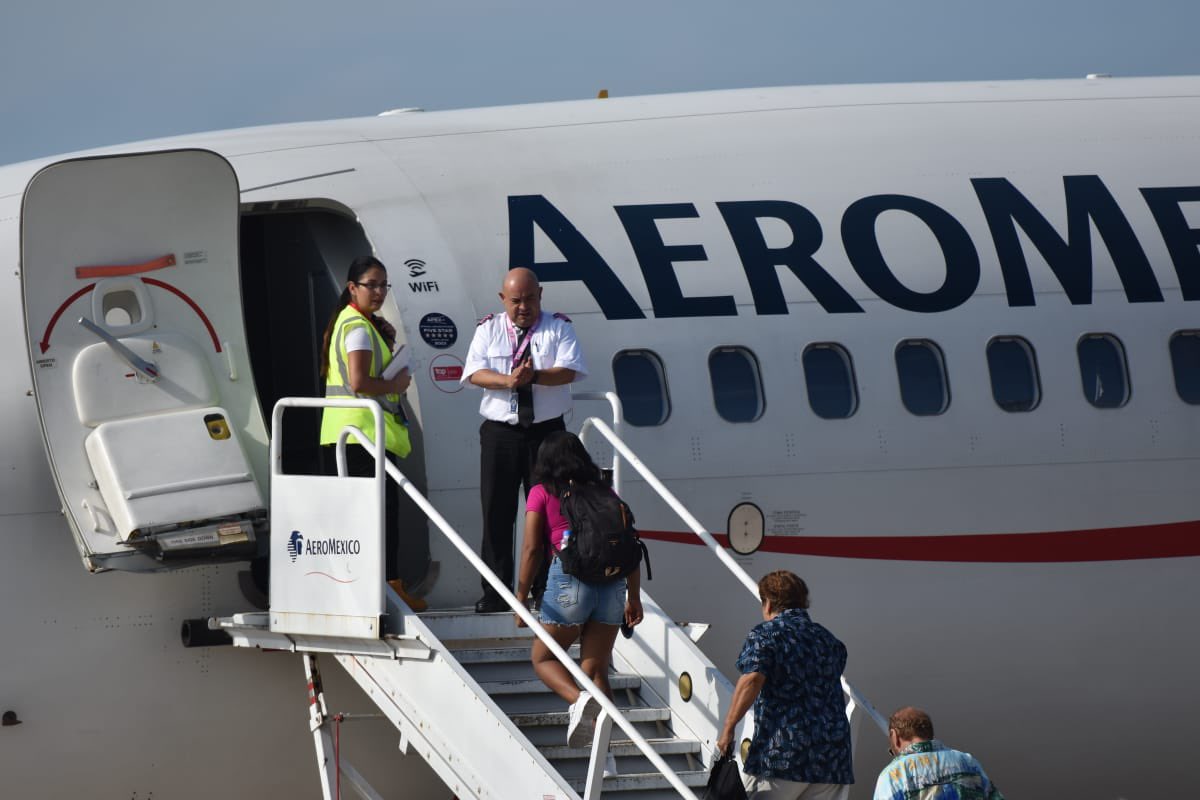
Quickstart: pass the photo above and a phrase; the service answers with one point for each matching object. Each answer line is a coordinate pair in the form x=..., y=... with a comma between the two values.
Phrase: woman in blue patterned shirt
x=791, y=673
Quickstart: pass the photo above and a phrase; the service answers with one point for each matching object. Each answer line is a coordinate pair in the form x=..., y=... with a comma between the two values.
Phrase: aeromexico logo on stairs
x=297, y=545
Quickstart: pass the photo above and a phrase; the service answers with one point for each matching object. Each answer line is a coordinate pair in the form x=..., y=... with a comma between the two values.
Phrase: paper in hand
x=401, y=359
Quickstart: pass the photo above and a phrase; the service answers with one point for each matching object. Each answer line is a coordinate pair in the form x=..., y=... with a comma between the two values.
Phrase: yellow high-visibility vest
x=337, y=384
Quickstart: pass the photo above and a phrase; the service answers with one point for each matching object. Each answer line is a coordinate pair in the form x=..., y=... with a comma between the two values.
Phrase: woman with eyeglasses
x=356, y=349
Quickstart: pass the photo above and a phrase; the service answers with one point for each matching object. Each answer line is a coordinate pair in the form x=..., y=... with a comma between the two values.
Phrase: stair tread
x=500, y=655
x=645, y=780
x=535, y=686
x=560, y=717
x=624, y=747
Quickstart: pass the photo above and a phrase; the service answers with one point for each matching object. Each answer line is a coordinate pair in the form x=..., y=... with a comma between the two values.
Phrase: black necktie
x=524, y=393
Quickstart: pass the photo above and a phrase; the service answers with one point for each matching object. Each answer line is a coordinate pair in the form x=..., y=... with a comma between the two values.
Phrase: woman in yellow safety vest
x=356, y=349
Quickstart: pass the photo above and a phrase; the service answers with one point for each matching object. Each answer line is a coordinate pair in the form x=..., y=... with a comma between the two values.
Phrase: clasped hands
x=522, y=375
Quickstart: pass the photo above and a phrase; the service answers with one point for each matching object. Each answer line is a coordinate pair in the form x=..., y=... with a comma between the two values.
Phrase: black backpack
x=603, y=545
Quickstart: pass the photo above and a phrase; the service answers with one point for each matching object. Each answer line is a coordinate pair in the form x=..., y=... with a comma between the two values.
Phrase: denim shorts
x=570, y=601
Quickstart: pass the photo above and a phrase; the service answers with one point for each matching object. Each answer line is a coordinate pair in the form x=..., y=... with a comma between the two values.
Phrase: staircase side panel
x=660, y=651
x=452, y=723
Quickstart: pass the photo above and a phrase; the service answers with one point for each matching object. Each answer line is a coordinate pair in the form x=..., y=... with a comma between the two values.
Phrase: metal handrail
x=618, y=416
x=448, y=530
x=619, y=445
x=323, y=402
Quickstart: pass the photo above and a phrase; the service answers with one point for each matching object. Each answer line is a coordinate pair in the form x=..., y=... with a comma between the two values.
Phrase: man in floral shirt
x=791, y=672
x=925, y=769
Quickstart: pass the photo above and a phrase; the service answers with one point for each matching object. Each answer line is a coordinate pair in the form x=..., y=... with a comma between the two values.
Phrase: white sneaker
x=610, y=766
x=581, y=724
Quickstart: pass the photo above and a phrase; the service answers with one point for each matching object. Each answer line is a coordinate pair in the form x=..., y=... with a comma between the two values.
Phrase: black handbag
x=725, y=781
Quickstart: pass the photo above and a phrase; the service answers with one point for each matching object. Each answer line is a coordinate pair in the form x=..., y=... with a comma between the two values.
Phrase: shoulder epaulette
x=485, y=319
x=562, y=316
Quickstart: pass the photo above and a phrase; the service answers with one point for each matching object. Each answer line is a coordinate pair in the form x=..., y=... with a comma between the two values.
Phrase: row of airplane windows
x=737, y=390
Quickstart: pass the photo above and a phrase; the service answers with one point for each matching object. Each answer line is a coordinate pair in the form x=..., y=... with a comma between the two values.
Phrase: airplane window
x=924, y=387
x=1013, y=368
x=736, y=384
x=1185, y=359
x=642, y=386
x=1103, y=370
x=829, y=376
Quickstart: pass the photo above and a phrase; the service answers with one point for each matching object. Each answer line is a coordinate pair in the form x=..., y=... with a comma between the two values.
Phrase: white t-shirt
x=553, y=345
x=358, y=339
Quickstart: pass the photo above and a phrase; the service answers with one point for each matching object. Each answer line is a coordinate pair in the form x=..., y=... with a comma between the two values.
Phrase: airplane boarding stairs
x=461, y=691
x=459, y=686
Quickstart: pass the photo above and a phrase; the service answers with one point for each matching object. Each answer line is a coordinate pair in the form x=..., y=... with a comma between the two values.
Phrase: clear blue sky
x=83, y=74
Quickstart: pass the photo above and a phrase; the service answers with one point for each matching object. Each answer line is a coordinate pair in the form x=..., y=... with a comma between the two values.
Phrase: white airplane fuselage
x=1027, y=576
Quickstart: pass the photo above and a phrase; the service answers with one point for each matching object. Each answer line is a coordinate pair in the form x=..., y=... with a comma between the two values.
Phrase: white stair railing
x=618, y=444
x=518, y=608
x=618, y=420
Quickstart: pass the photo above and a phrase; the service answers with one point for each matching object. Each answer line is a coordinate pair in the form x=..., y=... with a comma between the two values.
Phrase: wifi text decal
x=417, y=268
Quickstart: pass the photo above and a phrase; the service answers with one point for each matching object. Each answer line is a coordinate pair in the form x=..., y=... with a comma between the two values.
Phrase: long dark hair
x=358, y=268
x=561, y=459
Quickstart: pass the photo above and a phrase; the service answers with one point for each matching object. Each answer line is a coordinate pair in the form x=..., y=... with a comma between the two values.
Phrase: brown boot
x=415, y=603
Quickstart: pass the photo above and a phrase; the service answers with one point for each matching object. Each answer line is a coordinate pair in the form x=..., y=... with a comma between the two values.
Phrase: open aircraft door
x=129, y=271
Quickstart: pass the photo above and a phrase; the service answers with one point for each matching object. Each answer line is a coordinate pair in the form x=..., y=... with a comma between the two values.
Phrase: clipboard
x=401, y=359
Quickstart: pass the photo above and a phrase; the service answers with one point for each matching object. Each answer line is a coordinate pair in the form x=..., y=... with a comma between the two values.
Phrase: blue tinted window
x=924, y=387
x=736, y=385
x=1102, y=369
x=642, y=386
x=829, y=377
x=1185, y=361
x=1013, y=370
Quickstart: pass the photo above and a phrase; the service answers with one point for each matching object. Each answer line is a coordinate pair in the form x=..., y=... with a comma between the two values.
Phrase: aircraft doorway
x=294, y=256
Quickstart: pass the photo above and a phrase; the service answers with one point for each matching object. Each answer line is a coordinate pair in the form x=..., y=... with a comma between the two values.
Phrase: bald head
x=519, y=278
x=911, y=724
x=522, y=296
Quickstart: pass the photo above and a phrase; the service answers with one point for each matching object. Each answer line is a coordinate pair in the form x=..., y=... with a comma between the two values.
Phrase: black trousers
x=507, y=454
x=406, y=536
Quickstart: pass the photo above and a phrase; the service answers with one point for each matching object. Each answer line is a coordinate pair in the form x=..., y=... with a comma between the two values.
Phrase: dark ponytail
x=357, y=268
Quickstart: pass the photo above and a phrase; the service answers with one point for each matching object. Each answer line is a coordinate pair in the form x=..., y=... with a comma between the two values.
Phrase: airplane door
x=129, y=272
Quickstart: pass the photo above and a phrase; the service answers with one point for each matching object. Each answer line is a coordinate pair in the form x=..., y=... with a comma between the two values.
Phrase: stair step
x=452, y=626
x=560, y=717
x=535, y=686
x=624, y=747
x=641, y=781
x=501, y=655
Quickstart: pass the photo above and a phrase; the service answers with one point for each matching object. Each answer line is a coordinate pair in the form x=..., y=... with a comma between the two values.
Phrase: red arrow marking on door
x=45, y=342
x=199, y=312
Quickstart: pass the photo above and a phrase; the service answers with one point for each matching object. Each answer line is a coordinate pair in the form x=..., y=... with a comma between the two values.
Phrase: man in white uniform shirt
x=524, y=360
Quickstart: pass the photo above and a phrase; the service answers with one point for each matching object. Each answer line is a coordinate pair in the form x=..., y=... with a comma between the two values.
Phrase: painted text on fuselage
x=1008, y=214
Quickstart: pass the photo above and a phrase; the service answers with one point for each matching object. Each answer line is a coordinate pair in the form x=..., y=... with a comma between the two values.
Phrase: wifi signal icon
x=416, y=267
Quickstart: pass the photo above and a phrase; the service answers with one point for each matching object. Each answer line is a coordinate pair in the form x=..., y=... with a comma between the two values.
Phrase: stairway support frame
x=324, y=742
